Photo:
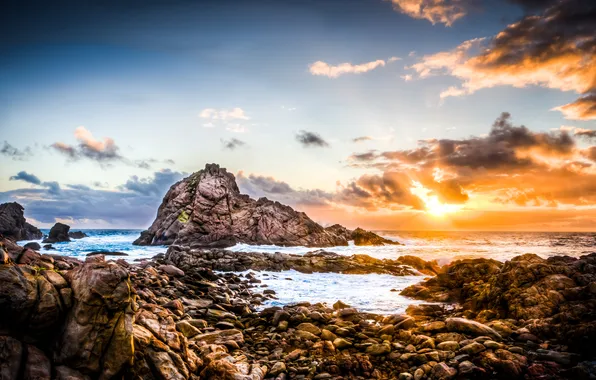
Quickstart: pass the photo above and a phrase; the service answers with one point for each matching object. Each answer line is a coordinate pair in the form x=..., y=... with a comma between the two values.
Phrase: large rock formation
x=13, y=224
x=58, y=233
x=207, y=210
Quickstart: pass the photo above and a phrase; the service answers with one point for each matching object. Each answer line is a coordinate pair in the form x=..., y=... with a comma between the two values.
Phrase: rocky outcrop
x=77, y=235
x=557, y=294
x=316, y=261
x=13, y=224
x=359, y=236
x=58, y=233
x=114, y=320
x=362, y=237
x=207, y=210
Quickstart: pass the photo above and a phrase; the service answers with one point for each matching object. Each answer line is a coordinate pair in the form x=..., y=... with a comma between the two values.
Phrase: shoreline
x=188, y=321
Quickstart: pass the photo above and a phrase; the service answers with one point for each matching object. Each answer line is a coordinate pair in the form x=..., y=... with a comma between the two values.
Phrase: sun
x=432, y=203
x=436, y=208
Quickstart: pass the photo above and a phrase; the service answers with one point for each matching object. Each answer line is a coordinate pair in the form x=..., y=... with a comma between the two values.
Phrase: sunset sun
x=432, y=204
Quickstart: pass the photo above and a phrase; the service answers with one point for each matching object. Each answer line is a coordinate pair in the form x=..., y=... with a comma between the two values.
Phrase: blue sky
x=141, y=75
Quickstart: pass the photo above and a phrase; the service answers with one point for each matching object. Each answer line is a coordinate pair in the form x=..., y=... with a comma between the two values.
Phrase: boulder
x=207, y=209
x=97, y=337
x=33, y=245
x=466, y=326
x=58, y=233
x=13, y=224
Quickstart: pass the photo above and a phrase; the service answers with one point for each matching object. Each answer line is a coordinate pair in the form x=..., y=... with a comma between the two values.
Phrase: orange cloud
x=436, y=11
x=556, y=49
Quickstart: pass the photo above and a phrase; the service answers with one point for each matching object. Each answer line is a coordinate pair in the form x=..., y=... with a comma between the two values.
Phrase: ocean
x=371, y=292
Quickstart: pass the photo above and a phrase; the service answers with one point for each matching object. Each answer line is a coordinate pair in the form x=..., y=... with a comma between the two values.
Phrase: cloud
x=53, y=187
x=334, y=71
x=26, y=177
x=260, y=186
x=157, y=185
x=436, y=11
x=511, y=164
x=89, y=148
x=584, y=108
x=555, y=48
x=15, y=153
x=308, y=139
x=232, y=143
x=236, y=113
x=361, y=139
x=105, y=152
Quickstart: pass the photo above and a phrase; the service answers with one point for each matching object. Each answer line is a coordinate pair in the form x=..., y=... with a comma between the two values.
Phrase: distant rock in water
x=13, y=224
x=58, y=233
x=206, y=209
x=362, y=237
x=77, y=235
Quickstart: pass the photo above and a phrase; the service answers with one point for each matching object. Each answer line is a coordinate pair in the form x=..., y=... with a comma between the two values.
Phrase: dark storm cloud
x=500, y=149
x=512, y=163
x=26, y=177
x=389, y=190
x=52, y=186
x=308, y=139
x=134, y=205
x=232, y=143
x=15, y=153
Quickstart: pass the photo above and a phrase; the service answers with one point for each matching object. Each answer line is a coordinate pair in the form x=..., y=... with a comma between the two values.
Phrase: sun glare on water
x=432, y=203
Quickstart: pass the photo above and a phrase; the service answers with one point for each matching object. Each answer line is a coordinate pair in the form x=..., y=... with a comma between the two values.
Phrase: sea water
x=369, y=292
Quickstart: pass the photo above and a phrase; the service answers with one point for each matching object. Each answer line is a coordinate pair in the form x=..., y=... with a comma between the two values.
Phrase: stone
x=467, y=326
x=310, y=328
x=38, y=365
x=33, y=245
x=11, y=352
x=220, y=337
x=472, y=348
x=448, y=346
x=378, y=349
x=58, y=233
x=442, y=371
x=328, y=335
x=187, y=329
x=278, y=367
x=171, y=270
x=341, y=343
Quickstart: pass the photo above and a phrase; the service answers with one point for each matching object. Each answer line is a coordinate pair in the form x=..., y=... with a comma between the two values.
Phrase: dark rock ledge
x=316, y=261
x=61, y=318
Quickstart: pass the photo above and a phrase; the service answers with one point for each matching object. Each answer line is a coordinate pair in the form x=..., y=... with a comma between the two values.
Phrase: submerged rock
x=58, y=233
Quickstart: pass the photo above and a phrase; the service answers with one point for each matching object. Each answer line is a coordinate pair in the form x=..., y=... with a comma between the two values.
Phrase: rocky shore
x=174, y=317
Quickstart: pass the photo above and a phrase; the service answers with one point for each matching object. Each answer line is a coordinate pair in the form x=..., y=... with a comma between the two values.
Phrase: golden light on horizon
x=432, y=203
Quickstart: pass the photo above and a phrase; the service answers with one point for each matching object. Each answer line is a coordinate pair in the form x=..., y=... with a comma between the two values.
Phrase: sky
x=390, y=115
